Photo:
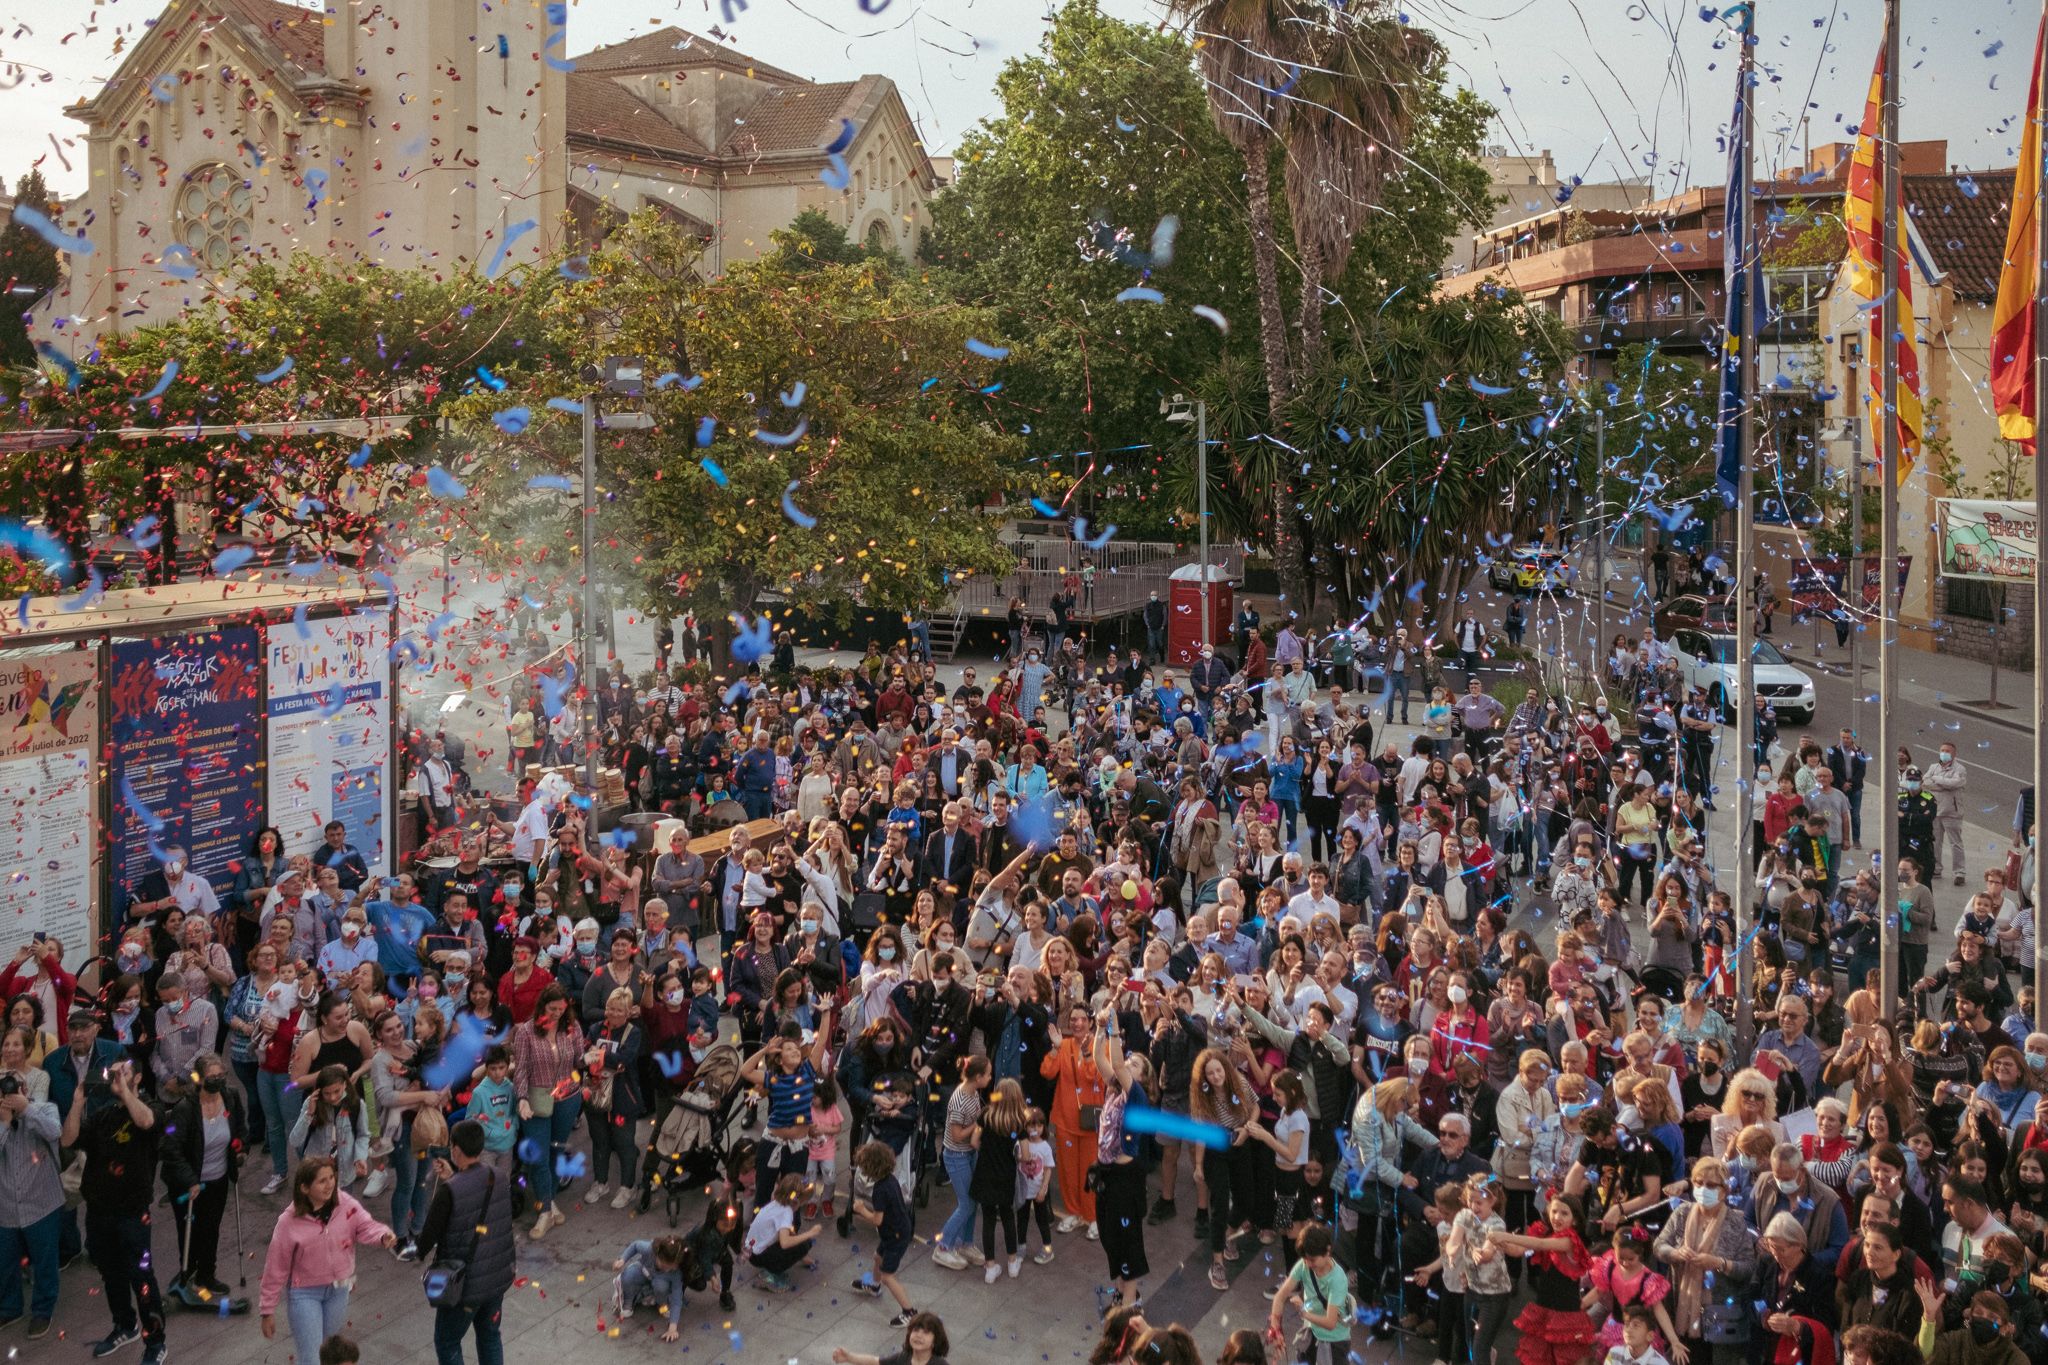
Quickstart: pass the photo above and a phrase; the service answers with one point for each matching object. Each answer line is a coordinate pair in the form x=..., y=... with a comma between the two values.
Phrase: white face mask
x=1457, y=995
x=674, y=998
x=350, y=929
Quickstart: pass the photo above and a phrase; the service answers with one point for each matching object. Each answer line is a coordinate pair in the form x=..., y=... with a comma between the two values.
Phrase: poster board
x=49, y=846
x=330, y=732
x=1992, y=542
x=186, y=720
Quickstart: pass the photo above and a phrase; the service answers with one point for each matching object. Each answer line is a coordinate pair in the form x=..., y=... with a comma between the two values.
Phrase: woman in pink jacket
x=312, y=1260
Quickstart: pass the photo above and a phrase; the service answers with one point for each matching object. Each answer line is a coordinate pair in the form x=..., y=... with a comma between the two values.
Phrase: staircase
x=947, y=632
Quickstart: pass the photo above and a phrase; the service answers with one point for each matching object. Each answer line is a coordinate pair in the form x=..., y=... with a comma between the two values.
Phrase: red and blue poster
x=187, y=754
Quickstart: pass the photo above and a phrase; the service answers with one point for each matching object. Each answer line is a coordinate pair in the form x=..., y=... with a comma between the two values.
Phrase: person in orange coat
x=1077, y=1085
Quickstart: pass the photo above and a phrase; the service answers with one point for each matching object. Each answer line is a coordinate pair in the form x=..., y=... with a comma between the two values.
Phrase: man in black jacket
x=470, y=1221
x=949, y=854
x=120, y=1145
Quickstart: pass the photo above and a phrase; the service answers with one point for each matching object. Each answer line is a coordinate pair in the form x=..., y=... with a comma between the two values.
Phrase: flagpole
x=1744, y=742
x=1889, y=229
x=2040, y=359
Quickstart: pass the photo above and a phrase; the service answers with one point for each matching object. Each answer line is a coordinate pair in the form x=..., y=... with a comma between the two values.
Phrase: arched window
x=877, y=237
x=213, y=214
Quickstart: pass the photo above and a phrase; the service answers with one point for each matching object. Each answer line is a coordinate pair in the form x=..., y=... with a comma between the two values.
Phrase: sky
x=1613, y=88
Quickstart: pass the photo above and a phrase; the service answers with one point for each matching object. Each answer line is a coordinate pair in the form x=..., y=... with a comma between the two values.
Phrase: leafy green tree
x=814, y=237
x=843, y=387
x=30, y=268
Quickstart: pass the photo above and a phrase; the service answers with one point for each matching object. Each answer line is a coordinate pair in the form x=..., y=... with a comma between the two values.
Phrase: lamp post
x=1178, y=409
x=620, y=376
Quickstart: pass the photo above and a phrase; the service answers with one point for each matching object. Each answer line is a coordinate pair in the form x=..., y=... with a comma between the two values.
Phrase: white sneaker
x=993, y=1273
x=623, y=1197
x=272, y=1185
x=620, y=1308
x=597, y=1192
x=973, y=1255
x=1094, y=1233
x=1043, y=1258
x=1068, y=1222
x=379, y=1181
x=1016, y=1266
x=949, y=1258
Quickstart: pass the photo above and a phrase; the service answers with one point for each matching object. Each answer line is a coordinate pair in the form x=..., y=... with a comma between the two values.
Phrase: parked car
x=1694, y=611
x=1707, y=659
x=1531, y=569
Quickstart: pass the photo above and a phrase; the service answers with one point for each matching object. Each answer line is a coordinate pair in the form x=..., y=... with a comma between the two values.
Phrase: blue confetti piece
x=361, y=457
x=1968, y=186
x=928, y=384
x=1123, y=125
x=504, y=46
x=1045, y=509
x=512, y=421
x=847, y=130
x=1488, y=389
x=531, y=1151
x=170, y=373
x=711, y=467
x=1162, y=239
x=332, y=701
x=491, y=381
x=444, y=485
x=734, y=1339
x=164, y=88
x=52, y=234
x=751, y=644
x=61, y=361
x=571, y=1165
x=707, y=431
x=1436, y=428
x=232, y=558
x=307, y=568
x=299, y=621
x=145, y=534
x=734, y=694
x=272, y=376
x=557, y=483
x=570, y=270
x=177, y=261
x=689, y=385
x=1205, y=312
x=316, y=184
x=512, y=234
x=836, y=175
x=795, y=396
x=148, y=818
x=783, y=440
x=439, y=624
x=793, y=512
x=1081, y=534
x=1139, y=293
x=986, y=351
x=568, y=405
x=1415, y=592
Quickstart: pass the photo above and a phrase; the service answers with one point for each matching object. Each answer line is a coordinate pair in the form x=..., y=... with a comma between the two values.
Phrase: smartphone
x=42, y=937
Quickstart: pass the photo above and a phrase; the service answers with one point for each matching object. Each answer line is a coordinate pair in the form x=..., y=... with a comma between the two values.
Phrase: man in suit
x=949, y=854
x=1846, y=759
x=950, y=761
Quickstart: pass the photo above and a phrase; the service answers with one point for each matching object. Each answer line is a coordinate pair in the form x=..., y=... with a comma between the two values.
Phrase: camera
x=10, y=1085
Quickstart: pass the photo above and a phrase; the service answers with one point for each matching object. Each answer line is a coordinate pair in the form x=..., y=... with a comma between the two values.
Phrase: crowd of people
x=1448, y=1020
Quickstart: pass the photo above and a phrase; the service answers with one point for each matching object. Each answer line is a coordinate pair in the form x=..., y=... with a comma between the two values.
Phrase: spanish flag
x=2012, y=319
x=1865, y=277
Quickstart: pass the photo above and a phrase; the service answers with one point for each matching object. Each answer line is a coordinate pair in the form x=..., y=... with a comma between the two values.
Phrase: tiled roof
x=674, y=49
x=300, y=34
x=804, y=118
x=1964, y=231
x=600, y=107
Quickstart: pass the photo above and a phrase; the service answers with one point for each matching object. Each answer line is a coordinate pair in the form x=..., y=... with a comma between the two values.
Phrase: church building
x=446, y=135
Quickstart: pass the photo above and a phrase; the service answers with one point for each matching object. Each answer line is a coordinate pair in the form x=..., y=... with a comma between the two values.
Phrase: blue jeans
x=1397, y=682
x=758, y=805
x=37, y=1243
x=959, y=1230
x=316, y=1313
x=409, y=1192
x=550, y=1131
x=452, y=1324
x=280, y=1111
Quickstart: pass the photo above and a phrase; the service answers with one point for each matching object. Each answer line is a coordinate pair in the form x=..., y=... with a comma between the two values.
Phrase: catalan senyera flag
x=1865, y=277
x=2012, y=319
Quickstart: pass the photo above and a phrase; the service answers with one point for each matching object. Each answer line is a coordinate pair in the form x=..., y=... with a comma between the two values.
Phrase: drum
x=721, y=816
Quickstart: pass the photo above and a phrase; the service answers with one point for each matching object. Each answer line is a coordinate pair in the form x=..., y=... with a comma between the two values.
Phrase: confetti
x=170, y=373
x=444, y=485
x=792, y=511
x=272, y=376
x=986, y=351
x=177, y=261
x=81, y=245
x=512, y=235
x=512, y=421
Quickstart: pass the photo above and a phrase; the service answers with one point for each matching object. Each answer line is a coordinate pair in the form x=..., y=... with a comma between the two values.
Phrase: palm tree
x=1364, y=73
x=1245, y=50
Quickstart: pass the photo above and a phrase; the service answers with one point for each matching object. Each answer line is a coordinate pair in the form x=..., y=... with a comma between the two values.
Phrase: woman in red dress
x=1555, y=1329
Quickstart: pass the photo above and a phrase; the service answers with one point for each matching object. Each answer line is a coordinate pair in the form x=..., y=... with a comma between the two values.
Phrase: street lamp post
x=1176, y=409
x=618, y=376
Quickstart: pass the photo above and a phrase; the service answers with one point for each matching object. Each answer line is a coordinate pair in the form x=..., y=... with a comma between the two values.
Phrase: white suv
x=1706, y=659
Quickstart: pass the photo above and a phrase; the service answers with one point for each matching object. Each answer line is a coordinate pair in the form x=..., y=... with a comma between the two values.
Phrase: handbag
x=1725, y=1323
x=1091, y=1117
x=542, y=1101
x=866, y=911
x=448, y=1276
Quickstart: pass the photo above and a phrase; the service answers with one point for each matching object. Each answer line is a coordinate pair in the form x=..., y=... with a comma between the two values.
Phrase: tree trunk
x=1311, y=317
x=1258, y=181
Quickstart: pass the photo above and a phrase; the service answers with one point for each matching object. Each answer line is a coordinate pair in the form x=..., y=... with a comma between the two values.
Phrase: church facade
x=447, y=135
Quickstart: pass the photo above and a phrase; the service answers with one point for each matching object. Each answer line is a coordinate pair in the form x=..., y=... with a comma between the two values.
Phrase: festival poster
x=187, y=757
x=1992, y=542
x=330, y=731
x=49, y=727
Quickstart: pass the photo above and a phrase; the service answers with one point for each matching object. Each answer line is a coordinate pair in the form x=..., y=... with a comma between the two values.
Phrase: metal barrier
x=1125, y=573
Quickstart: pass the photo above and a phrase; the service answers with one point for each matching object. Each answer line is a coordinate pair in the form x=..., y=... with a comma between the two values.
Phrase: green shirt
x=1319, y=1292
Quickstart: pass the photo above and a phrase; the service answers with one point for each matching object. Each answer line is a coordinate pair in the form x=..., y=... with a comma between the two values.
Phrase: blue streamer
x=793, y=512
x=512, y=234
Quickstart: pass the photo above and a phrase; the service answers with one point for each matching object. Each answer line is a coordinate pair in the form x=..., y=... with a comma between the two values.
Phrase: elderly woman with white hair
x=1797, y=1294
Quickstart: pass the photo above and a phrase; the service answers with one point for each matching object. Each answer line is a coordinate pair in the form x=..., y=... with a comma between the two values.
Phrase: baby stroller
x=696, y=1143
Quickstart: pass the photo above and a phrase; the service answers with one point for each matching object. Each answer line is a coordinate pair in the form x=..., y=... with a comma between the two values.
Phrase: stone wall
x=1969, y=638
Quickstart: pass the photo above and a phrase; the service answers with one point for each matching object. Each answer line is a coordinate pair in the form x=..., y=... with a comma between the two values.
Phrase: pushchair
x=699, y=1140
